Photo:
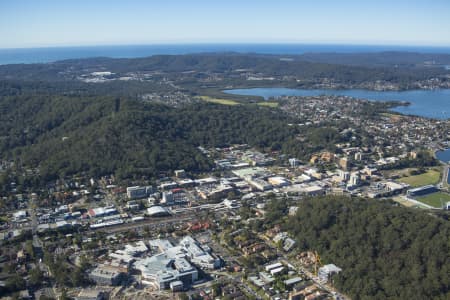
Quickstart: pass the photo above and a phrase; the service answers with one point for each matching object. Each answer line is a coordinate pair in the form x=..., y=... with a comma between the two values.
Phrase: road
x=34, y=224
x=444, y=181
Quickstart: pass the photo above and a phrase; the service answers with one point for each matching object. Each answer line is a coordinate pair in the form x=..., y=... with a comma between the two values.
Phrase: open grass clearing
x=268, y=104
x=219, y=101
x=432, y=176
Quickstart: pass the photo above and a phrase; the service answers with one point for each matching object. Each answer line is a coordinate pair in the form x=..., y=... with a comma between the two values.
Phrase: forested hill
x=55, y=120
x=341, y=67
x=101, y=135
x=381, y=59
x=385, y=252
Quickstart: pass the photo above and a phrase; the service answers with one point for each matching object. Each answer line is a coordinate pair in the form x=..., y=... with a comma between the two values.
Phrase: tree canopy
x=386, y=252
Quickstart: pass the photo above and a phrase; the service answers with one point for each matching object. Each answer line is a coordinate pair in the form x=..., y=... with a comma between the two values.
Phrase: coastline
x=435, y=151
x=420, y=102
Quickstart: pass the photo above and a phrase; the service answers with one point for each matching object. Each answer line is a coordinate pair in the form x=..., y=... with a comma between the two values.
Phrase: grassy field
x=432, y=176
x=392, y=116
x=268, y=104
x=219, y=101
x=435, y=199
x=233, y=102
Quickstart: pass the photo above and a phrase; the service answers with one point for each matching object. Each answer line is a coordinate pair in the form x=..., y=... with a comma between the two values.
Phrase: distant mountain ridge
x=353, y=67
x=389, y=58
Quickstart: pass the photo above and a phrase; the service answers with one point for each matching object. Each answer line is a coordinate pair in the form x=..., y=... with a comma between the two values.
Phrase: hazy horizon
x=262, y=43
x=48, y=24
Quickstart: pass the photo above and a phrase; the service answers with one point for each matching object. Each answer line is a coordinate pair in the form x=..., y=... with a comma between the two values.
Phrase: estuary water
x=424, y=103
x=443, y=155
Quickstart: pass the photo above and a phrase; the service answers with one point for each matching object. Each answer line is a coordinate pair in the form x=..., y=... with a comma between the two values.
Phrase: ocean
x=45, y=55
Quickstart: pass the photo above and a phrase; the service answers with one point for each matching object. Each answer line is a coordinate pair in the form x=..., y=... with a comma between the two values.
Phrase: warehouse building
x=422, y=191
x=157, y=211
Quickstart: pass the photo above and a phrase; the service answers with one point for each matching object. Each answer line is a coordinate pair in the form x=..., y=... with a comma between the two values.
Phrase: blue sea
x=44, y=55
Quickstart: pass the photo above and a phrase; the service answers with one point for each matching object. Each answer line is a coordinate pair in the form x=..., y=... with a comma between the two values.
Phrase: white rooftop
x=157, y=210
x=331, y=268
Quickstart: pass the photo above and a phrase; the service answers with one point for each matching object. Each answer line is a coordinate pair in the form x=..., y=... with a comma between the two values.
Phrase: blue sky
x=41, y=23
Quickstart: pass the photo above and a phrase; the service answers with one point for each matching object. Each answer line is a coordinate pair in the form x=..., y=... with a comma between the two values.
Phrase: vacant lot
x=432, y=176
x=435, y=199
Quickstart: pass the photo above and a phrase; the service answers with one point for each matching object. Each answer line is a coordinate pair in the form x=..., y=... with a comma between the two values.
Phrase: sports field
x=435, y=199
x=432, y=176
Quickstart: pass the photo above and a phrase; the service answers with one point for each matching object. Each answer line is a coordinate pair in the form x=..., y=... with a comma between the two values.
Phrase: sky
x=48, y=23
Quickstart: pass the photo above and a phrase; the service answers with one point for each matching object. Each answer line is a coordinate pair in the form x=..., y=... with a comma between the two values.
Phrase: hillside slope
x=385, y=252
